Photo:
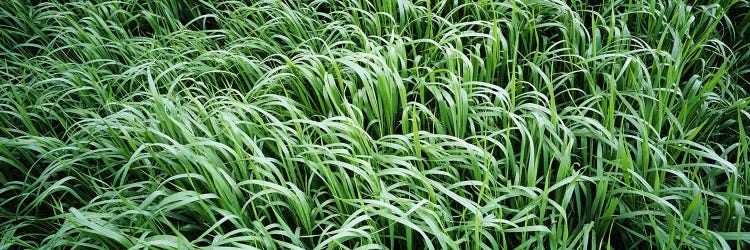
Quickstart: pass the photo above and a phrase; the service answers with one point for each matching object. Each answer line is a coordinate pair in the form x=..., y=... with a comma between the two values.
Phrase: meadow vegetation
x=375, y=124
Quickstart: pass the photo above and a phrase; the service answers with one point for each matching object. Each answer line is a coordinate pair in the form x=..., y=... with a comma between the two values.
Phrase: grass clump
x=375, y=124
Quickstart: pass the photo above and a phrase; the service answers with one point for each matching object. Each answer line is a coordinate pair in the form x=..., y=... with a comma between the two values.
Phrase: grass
x=375, y=124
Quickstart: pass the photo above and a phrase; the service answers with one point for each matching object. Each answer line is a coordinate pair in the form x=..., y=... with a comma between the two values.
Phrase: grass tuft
x=375, y=124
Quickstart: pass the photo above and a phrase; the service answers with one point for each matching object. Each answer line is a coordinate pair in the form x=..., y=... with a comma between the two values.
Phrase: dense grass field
x=358, y=124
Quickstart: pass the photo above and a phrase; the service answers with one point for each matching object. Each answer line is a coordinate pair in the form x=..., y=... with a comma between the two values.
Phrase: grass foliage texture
x=359, y=124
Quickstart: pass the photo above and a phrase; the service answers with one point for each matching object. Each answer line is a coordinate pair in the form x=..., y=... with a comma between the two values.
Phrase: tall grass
x=375, y=124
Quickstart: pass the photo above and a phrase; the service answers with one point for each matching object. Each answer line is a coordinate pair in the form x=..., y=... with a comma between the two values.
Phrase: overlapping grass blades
x=375, y=124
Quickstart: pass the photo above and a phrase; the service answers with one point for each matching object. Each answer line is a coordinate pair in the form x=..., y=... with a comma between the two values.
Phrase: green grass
x=378, y=124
